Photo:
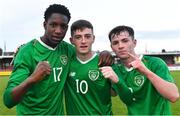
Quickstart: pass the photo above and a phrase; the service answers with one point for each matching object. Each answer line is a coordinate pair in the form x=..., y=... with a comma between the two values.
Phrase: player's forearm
x=19, y=91
x=166, y=89
x=12, y=96
x=124, y=92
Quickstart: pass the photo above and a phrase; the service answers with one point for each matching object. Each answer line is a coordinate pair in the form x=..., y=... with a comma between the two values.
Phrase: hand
x=42, y=69
x=137, y=63
x=108, y=72
x=105, y=59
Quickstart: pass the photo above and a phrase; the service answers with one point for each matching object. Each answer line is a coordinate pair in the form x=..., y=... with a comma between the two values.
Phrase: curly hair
x=57, y=8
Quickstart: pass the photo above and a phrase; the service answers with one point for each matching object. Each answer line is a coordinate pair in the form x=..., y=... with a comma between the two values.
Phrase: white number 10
x=79, y=86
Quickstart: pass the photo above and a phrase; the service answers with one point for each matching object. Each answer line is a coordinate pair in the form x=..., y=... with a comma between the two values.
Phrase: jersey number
x=57, y=73
x=79, y=86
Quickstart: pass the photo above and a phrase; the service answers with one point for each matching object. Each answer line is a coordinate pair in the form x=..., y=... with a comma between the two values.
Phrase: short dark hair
x=117, y=30
x=57, y=8
x=80, y=24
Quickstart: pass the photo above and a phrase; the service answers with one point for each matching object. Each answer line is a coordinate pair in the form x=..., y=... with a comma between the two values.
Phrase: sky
x=156, y=22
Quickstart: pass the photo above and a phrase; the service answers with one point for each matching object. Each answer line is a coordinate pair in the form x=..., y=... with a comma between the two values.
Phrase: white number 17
x=57, y=73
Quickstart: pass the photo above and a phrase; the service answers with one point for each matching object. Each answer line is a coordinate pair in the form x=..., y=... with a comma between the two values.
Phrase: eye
x=88, y=36
x=77, y=37
x=125, y=40
x=115, y=42
x=64, y=26
x=53, y=25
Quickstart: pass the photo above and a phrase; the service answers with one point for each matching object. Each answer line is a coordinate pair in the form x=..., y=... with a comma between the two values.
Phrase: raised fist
x=42, y=69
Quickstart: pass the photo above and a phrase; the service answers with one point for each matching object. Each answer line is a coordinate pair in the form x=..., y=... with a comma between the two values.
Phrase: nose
x=83, y=40
x=58, y=30
x=120, y=46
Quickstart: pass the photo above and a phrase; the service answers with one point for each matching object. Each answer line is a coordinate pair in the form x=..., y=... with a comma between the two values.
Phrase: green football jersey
x=138, y=93
x=46, y=96
x=87, y=92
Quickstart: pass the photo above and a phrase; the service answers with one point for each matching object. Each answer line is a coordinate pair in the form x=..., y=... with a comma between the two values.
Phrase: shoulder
x=65, y=44
x=67, y=48
x=26, y=47
x=153, y=60
x=155, y=63
x=25, y=50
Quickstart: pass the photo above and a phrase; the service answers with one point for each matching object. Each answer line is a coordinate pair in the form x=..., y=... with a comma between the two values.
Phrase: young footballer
x=41, y=67
x=87, y=92
x=143, y=83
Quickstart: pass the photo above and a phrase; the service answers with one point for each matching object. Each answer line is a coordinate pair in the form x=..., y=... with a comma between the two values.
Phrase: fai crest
x=64, y=59
x=93, y=74
x=139, y=80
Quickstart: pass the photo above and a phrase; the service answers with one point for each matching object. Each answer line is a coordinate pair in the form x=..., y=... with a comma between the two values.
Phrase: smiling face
x=83, y=40
x=55, y=29
x=122, y=44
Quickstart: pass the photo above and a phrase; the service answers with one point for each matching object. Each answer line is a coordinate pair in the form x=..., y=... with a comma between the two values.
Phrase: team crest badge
x=64, y=59
x=93, y=74
x=139, y=80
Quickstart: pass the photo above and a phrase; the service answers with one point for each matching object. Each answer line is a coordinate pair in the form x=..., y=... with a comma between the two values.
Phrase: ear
x=71, y=40
x=135, y=42
x=93, y=38
x=44, y=24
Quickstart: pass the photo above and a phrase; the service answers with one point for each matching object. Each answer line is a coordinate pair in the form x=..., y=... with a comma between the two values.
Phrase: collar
x=84, y=62
x=45, y=45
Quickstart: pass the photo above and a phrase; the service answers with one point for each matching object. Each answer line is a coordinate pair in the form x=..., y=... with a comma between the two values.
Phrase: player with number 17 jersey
x=48, y=93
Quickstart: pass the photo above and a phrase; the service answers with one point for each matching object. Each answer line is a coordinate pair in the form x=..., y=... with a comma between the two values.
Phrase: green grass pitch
x=118, y=107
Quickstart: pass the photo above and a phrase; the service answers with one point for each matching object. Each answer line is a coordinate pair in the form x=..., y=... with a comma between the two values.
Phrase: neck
x=126, y=62
x=45, y=40
x=85, y=57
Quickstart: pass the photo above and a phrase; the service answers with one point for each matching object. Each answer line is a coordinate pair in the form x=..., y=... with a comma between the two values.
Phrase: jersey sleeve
x=19, y=73
x=122, y=89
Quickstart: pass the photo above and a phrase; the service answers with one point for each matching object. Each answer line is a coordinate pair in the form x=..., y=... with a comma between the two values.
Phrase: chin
x=56, y=41
x=83, y=52
x=123, y=56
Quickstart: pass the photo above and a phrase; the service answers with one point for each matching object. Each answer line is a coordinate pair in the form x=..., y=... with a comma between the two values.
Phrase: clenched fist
x=108, y=72
x=42, y=69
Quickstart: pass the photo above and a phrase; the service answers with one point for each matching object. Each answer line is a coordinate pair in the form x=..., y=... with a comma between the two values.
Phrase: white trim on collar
x=46, y=46
x=84, y=62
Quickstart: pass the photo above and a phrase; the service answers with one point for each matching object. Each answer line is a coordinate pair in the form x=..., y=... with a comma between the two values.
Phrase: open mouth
x=83, y=46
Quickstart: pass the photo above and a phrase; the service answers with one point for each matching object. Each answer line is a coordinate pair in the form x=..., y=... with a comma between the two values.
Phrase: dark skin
x=105, y=59
x=55, y=29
